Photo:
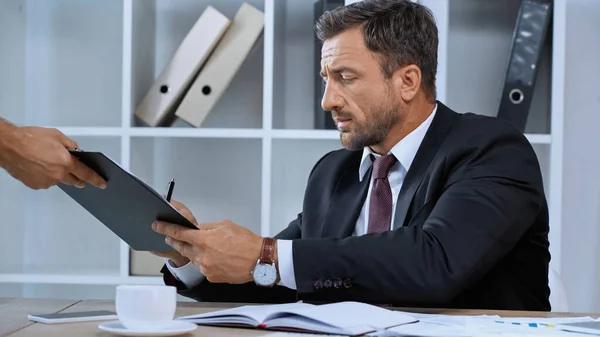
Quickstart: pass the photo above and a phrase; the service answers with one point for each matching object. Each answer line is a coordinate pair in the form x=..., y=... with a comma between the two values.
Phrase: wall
x=581, y=157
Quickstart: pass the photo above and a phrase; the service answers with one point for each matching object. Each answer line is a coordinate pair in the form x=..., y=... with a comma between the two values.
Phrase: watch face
x=265, y=274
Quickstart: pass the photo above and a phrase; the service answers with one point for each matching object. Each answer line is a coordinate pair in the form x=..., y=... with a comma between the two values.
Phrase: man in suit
x=39, y=157
x=423, y=207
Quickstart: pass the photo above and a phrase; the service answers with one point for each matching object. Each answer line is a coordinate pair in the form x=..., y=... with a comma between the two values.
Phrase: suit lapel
x=346, y=203
x=439, y=128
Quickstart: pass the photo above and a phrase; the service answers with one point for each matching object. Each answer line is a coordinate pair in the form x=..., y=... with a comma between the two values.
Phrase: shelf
x=305, y=134
x=195, y=132
x=97, y=279
x=92, y=131
x=84, y=66
x=539, y=138
x=162, y=132
x=334, y=134
x=227, y=133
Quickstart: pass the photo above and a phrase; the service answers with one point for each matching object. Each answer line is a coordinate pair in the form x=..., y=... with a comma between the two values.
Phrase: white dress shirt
x=404, y=151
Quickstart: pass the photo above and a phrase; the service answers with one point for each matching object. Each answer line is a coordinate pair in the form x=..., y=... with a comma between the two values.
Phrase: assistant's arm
x=493, y=194
x=39, y=157
x=5, y=128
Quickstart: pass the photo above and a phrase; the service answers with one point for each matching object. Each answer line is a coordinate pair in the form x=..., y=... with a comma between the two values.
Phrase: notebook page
x=354, y=316
x=258, y=313
x=304, y=324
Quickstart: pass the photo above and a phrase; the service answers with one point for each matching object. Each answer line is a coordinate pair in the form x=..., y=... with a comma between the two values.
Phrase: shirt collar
x=404, y=151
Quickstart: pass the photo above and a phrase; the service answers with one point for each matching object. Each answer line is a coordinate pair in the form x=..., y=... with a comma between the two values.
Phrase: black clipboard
x=127, y=206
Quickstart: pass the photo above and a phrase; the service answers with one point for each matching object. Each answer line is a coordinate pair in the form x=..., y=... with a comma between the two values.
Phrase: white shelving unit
x=82, y=66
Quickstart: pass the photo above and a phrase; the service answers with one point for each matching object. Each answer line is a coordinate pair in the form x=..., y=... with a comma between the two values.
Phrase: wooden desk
x=13, y=317
x=14, y=311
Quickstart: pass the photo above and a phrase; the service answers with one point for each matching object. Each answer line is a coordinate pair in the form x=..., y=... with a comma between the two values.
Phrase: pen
x=170, y=189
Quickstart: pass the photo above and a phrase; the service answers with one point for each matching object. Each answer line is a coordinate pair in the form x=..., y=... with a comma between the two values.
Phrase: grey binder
x=323, y=118
x=524, y=58
x=127, y=206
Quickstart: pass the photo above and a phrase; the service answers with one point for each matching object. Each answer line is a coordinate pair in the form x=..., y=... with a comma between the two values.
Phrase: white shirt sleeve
x=286, y=264
x=189, y=274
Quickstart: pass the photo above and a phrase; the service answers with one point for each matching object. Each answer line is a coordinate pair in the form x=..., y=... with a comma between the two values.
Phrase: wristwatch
x=265, y=273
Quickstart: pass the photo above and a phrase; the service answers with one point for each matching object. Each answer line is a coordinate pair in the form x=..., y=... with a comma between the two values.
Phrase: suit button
x=328, y=283
x=318, y=284
x=337, y=283
x=347, y=283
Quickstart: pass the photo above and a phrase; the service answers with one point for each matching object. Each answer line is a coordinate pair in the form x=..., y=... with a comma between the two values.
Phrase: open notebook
x=343, y=318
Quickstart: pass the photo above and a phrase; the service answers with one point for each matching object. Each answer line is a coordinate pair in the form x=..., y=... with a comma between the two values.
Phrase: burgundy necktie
x=380, y=203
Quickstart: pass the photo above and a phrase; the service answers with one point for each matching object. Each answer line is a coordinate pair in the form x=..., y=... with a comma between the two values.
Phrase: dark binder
x=127, y=206
x=323, y=118
x=530, y=32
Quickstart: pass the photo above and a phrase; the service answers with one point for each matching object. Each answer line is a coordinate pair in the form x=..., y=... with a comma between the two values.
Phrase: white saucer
x=174, y=328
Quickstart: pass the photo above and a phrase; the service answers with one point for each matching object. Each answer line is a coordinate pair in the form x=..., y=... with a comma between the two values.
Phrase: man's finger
x=184, y=248
x=68, y=143
x=188, y=215
x=183, y=210
x=70, y=179
x=83, y=172
x=174, y=231
x=209, y=225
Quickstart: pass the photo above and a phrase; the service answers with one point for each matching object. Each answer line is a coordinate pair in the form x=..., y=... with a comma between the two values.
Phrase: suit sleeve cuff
x=286, y=264
x=189, y=274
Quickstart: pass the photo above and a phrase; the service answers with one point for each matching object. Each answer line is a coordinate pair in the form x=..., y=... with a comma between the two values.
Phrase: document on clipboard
x=127, y=206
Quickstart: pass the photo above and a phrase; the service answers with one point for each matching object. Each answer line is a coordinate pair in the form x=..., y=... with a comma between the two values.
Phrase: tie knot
x=382, y=166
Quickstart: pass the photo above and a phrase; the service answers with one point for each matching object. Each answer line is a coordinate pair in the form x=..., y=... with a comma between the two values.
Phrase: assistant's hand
x=178, y=259
x=39, y=157
x=224, y=252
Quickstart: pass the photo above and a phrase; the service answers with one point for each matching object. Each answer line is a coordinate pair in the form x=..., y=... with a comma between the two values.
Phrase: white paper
x=258, y=313
x=480, y=326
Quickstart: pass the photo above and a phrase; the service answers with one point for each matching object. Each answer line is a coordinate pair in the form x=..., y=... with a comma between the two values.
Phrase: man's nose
x=331, y=101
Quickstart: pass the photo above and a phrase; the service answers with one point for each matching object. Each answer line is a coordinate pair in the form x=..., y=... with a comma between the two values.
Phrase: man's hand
x=39, y=157
x=177, y=258
x=224, y=252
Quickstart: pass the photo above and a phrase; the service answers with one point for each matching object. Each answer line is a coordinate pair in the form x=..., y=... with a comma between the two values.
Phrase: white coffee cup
x=145, y=307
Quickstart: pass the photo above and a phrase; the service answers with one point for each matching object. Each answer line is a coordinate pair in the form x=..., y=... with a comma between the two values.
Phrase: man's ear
x=407, y=81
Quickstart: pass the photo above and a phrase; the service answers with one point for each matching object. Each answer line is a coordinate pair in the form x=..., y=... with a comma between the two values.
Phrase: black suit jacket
x=470, y=229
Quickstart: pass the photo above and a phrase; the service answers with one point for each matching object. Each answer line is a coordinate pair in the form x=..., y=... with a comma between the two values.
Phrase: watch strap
x=267, y=250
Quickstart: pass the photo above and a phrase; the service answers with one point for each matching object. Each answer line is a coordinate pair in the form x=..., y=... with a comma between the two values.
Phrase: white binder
x=221, y=66
x=159, y=104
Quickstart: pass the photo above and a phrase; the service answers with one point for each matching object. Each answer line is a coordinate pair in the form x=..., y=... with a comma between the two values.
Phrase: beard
x=378, y=123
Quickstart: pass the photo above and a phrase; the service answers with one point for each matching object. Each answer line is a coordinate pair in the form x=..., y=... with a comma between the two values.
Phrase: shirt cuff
x=189, y=274
x=286, y=264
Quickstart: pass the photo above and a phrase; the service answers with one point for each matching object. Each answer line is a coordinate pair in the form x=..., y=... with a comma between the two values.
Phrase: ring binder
x=222, y=65
x=160, y=103
x=323, y=118
x=524, y=58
